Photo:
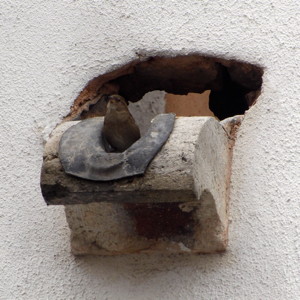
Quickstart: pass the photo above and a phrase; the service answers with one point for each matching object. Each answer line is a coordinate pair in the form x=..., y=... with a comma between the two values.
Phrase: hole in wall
x=187, y=85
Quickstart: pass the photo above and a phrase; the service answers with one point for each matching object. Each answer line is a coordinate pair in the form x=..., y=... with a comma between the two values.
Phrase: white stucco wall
x=50, y=49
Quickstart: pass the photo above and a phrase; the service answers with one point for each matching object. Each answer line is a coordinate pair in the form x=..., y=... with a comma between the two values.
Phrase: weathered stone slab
x=178, y=205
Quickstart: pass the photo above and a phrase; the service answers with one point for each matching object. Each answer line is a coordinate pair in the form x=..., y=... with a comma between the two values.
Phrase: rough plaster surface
x=50, y=49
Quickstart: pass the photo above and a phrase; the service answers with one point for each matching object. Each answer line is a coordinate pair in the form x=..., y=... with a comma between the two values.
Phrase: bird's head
x=116, y=103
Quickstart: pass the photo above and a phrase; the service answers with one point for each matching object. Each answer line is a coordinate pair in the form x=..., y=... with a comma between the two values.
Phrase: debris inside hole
x=233, y=86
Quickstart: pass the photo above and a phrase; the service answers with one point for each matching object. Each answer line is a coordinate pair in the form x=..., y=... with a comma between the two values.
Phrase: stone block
x=178, y=205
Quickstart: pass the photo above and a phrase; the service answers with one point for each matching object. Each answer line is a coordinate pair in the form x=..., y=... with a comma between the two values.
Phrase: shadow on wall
x=231, y=86
x=143, y=268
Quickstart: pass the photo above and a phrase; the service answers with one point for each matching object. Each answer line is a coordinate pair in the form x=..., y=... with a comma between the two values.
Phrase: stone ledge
x=179, y=205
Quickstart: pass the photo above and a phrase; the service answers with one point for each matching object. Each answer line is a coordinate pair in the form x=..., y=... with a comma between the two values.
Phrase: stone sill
x=178, y=205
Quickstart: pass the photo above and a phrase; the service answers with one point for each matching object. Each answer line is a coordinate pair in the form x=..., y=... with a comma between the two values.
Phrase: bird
x=119, y=130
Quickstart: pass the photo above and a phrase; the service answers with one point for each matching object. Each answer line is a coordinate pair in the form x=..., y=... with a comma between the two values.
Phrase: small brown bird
x=119, y=130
